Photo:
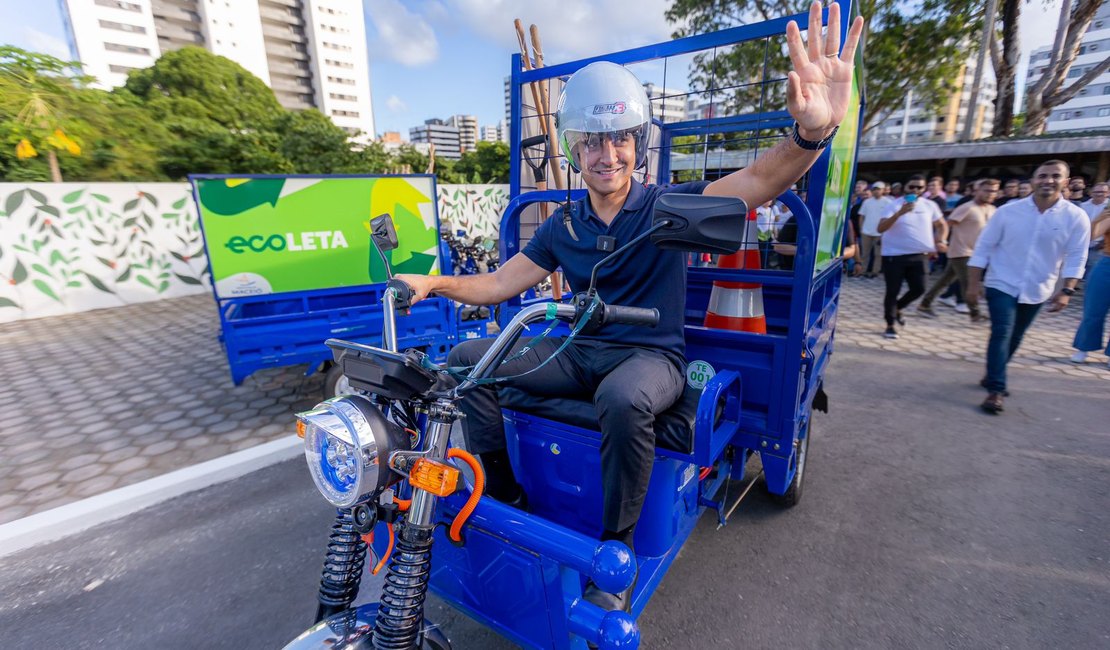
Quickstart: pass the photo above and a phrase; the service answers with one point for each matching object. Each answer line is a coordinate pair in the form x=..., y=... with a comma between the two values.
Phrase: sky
x=437, y=58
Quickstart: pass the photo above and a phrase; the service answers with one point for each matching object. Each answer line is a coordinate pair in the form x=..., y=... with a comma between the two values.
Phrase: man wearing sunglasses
x=913, y=231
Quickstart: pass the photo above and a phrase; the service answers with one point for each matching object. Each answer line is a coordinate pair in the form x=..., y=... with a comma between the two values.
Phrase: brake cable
x=459, y=372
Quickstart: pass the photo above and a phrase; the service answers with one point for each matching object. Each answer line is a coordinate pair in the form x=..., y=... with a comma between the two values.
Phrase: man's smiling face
x=607, y=160
x=1049, y=180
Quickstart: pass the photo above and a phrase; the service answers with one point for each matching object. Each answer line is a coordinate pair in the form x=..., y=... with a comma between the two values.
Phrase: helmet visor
x=580, y=144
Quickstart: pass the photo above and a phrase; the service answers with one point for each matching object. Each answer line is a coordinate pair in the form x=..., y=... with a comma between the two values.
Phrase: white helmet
x=603, y=97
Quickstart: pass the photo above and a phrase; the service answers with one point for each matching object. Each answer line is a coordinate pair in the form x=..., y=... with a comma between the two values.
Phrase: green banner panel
x=278, y=234
x=838, y=188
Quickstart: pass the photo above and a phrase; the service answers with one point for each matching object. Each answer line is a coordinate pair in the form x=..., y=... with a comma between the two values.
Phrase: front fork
x=401, y=607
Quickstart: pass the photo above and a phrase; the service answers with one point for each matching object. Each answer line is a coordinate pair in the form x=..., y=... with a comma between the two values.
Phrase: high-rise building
x=312, y=53
x=914, y=122
x=490, y=134
x=444, y=136
x=468, y=131
x=1090, y=108
x=667, y=105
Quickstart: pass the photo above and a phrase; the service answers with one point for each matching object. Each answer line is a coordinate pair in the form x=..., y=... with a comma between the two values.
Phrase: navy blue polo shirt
x=643, y=276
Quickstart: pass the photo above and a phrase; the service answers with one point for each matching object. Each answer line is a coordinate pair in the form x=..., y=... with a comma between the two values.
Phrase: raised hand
x=820, y=85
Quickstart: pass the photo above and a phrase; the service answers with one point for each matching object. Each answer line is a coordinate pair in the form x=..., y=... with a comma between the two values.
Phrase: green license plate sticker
x=698, y=374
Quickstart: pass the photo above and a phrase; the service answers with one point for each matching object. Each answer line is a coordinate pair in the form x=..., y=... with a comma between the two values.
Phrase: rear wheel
x=793, y=493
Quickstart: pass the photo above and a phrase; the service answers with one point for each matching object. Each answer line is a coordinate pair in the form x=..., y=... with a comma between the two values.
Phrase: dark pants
x=1009, y=320
x=629, y=386
x=896, y=269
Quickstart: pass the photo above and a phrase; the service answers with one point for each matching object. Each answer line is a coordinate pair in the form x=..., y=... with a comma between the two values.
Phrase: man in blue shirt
x=632, y=374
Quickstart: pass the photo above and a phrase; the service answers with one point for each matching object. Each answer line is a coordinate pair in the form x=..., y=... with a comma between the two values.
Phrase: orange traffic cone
x=738, y=306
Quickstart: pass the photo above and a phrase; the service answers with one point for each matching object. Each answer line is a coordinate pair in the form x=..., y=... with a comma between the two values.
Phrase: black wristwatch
x=1067, y=292
x=812, y=145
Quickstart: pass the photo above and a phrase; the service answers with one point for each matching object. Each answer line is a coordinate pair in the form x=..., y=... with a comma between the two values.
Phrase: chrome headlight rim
x=354, y=424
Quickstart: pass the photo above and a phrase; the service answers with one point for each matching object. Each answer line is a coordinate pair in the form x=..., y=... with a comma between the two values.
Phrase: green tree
x=416, y=161
x=313, y=144
x=1005, y=58
x=488, y=163
x=195, y=83
x=122, y=140
x=920, y=48
x=38, y=99
x=205, y=147
x=372, y=158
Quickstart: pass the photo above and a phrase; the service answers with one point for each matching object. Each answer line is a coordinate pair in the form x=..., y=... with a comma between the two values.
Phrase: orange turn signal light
x=431, y=476
x=300, y=429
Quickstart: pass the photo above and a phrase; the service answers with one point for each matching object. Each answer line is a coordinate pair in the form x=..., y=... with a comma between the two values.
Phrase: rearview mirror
x=698, y=223
x=383, y=233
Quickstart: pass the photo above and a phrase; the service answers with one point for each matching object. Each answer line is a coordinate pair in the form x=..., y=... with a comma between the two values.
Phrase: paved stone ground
x=1046, y=347
x=103, y=399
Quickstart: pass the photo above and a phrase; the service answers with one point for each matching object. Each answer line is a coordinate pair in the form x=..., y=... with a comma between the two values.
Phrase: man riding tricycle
x=598, y=450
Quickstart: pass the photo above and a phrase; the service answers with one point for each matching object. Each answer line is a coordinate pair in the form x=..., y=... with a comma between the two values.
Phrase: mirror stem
x=385, y=262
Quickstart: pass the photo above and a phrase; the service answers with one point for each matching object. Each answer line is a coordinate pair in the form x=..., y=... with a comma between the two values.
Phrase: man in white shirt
x=913, y=230
x=1023, y=247
x=871, y=212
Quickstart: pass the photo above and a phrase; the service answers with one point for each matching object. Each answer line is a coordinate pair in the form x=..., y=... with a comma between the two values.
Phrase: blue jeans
x=1009, y=320
x=1096, y=303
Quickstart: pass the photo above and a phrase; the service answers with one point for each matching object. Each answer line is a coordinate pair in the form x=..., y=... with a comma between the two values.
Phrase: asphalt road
x=925, y=524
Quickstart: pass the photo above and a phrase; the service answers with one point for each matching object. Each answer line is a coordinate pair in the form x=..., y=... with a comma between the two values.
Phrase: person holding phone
x=912, y=231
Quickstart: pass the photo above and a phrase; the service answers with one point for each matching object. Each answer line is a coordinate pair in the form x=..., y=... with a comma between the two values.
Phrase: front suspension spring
x=343, y=565
x=401, y=610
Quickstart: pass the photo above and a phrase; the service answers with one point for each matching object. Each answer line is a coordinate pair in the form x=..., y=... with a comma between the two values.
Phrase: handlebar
x=402, y=293
x=630, y=315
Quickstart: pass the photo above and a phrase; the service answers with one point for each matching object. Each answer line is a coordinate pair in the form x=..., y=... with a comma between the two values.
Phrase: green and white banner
x=838, y=187
x=275, y=234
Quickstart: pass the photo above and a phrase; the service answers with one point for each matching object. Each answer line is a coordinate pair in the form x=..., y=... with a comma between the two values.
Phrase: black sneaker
x=898, y=318
x=890, y=333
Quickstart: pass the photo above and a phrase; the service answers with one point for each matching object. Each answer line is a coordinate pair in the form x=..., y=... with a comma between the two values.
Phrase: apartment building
x=468, y=131
x=312, y=53
x=1090, y=108
x=444, y=136
x=914, y=122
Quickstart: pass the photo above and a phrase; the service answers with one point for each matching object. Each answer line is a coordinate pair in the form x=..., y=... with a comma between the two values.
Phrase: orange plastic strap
x=472, y=502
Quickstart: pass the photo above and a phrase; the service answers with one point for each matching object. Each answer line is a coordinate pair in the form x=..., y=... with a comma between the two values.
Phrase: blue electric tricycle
x=383, y=458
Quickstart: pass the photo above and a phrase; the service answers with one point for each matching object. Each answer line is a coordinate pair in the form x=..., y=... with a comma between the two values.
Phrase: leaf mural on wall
x=12, y=203
x=45, y=288
x=474, y=209
x=68, y=245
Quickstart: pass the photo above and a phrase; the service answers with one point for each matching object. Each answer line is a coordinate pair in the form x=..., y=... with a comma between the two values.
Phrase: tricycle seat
x=674, y=428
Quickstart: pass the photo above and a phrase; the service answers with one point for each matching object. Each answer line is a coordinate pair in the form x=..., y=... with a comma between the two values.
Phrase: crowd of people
x=1020, y=244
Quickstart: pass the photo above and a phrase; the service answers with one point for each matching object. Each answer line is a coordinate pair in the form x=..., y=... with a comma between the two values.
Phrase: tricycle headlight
x=347, y=443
